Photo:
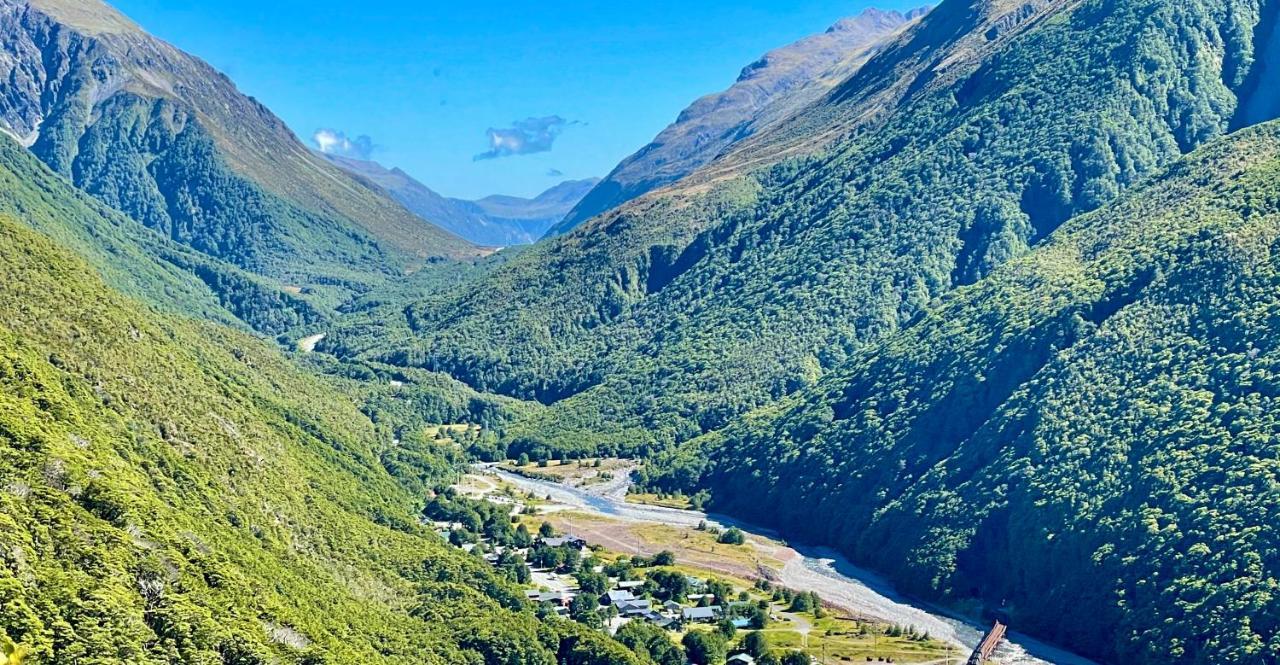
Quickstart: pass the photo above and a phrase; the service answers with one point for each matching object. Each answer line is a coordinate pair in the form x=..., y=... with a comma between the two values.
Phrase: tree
x=522, y=539
x=620, y=568
x=592, y=582
x=514, y=567
x=721, y=590
x=548, y=557
x=664, y=558
x=705, y=648
x=546, y=530
x=807, y=601
x=758, y=616
x=672, y=585
x=524, y=459
x=643, y=638
x=732, y=536
x=796, y=658
x=726, y=628
x=572, y=559
x=583, y=609
x=756, y=644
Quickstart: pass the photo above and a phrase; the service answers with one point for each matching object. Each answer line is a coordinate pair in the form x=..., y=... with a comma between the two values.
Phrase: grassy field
x=679, y=502
x=698, y=550
x=843, y=640
x=831, y=640
x=698, y=554
x=578, y=473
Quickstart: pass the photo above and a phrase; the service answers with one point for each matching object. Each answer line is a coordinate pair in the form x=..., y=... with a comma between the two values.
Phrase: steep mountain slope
x=1088, y=436
x=780, y=83
x=494, y=221
x=138, y=261
x=964, y=142
x=168, y=140
x=176, y=492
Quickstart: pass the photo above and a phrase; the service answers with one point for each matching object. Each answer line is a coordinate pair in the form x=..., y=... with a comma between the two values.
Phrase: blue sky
x=427, y=81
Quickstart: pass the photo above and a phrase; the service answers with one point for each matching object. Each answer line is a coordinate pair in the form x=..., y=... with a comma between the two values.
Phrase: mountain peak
x=766, y=91
x=90, y=16
x=876, y=18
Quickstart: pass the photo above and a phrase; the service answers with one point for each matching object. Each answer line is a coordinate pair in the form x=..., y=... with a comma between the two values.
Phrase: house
x=634, y=607
x=741, y=623
x=630, y=585
x=672, y=606
x=561, y=598
x=661, y=621
x=741, y=659
x=618, y=596
x=565, y=541
x=702, y=614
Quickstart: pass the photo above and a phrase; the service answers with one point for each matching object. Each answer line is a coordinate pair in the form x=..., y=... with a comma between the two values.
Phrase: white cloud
x=334, y=142
x=524, y=137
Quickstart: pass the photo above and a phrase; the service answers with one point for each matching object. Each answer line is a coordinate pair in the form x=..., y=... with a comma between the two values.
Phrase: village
x=714, y=618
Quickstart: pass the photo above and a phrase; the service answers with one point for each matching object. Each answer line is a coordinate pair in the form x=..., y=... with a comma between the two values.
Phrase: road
x=818, y=569
x=308, y=344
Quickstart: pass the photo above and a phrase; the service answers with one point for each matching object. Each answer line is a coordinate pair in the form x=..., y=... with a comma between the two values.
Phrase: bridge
x=982, y=654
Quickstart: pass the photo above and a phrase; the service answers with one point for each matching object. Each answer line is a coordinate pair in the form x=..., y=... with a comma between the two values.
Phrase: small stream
x=814, y=569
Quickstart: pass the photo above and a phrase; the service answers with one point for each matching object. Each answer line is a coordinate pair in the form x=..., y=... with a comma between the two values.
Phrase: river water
x=817, y=569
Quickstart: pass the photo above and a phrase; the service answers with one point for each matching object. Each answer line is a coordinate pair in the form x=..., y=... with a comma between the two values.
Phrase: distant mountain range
x=776, y=85
x=494, y=221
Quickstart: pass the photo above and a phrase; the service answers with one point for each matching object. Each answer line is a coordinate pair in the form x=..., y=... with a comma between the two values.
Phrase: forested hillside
x=1088, y=437
x=139, y=261
x=177, y=492
x=168, y=140
x=967, y=140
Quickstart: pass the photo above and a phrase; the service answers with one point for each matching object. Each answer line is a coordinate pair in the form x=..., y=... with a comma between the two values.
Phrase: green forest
x=996, y=317
x=1086, y=438
x=670, y=317
x=176, y=491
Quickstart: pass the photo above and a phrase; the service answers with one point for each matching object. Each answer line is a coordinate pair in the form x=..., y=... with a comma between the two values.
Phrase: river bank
x=803, y=568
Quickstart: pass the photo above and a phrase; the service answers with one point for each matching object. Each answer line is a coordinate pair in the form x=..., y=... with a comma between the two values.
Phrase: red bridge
x=982, y=654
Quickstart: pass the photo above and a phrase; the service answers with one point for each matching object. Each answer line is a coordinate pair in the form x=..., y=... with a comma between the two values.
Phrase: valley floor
x=600, y=513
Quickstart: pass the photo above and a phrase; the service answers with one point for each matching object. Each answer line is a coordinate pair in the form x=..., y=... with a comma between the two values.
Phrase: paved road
x=818, y=569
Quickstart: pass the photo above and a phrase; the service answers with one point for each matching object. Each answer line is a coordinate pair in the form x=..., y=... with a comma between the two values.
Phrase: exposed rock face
x=768, y=90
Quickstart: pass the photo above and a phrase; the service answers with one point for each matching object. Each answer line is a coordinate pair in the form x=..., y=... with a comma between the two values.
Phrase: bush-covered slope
x=176, y=492
x=1089, y=435
x=960, y=145
x=167, y=139
x=138, y=261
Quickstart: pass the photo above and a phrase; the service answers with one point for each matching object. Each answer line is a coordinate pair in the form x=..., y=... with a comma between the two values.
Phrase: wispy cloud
x=334, y=142
x=524, y=137
x=555, y=173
